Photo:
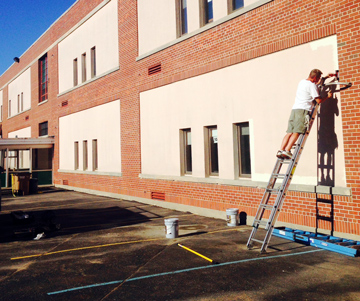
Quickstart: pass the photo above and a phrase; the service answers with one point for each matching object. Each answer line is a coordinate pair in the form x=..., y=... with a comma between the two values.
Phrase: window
x=76, y=155
x=75, y=72
x=83, y=67
x=243, y=149
x=181, y=17
x=94, y=155
x=9, y=111
x=43, y=78
x=234, y=5
x=206, y=12
x=211, y=151
x=93, y=62
x=22, y=102
x=43, y=129
x=18, y=103
x=185, y=151
x=85, y=155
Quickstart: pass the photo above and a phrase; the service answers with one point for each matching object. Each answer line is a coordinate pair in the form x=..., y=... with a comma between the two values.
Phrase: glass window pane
x=214, y=160
x=209, y=11
x=238, y=4
x=184, y=26
x=244, y=149
x=188, y=156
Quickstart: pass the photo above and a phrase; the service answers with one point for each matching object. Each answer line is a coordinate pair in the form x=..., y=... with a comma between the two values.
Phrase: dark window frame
x=85, y=155
x=43, y=129
x=83, y=67
x=186, y=151
x=234, y=5
x=211, y=151
x=95, y=163
x=76, y=155
x=75, y=72
x=181, y=18
x=206, y=12
x=243, y=150
x=93, y=61
x=43, y=78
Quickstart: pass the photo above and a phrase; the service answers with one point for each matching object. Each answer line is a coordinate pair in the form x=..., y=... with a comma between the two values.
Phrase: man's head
x=315, y=75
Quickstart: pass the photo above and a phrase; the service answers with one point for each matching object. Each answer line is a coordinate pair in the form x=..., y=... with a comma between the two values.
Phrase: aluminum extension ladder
x=274, y=196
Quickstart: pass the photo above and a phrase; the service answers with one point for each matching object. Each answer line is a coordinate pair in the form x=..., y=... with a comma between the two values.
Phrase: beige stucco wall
x=101, y=31
x=22, y=84
x=101, y=123
x=260, y=91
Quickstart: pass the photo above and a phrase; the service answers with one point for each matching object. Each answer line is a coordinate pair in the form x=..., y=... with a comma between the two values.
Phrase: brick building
x=185, y=105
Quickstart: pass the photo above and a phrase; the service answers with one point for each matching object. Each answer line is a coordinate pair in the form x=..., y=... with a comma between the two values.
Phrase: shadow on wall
x=327, y=142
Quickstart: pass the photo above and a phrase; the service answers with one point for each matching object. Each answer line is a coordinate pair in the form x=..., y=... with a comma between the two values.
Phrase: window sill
x=17, y=114
x=44, y=101
x=89, y=81
x=206, y=27
x=247, y=182
x=87, y=172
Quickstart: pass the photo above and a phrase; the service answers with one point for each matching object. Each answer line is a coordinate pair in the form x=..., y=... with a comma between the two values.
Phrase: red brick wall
x=275, y=26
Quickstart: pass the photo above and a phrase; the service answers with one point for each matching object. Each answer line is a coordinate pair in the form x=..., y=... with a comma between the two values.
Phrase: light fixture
x=16, y=59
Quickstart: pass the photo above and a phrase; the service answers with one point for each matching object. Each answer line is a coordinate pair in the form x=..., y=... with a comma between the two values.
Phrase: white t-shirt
x=305, y=94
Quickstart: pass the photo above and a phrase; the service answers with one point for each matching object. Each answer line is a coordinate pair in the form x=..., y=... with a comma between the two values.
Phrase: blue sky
x=22, y=22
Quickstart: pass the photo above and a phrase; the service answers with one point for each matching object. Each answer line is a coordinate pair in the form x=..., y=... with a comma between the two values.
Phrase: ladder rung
x=321, y=200
x=257, y=240
x=324, y=218
x=272, y=190
x=279, y=175
x=266, y=206
x=260, y=222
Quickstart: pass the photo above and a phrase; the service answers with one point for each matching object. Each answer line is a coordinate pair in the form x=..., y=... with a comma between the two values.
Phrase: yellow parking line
x=103, y=246
x=84, y=248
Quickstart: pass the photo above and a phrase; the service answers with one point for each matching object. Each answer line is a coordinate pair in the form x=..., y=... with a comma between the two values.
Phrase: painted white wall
x=24, y=155
x=101, y=31
x=193, y=15
x=220, y=9
x=22, y=133
x=261, y=91
x=156, y=26
x=101, y=123
x=1, y=106
x=20, y=86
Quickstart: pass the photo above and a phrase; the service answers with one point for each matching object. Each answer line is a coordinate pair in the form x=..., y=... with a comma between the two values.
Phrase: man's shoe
x=286, y=155
x=279, y=154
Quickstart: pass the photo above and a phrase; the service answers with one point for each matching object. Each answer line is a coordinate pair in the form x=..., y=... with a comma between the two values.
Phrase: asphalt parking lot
x=101, y=248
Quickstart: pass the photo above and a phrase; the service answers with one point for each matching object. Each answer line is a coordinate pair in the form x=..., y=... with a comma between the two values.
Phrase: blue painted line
x=86, y=286
x=181, y=271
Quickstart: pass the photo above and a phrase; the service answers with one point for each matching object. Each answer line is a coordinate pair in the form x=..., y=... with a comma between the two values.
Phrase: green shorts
x=297, y=121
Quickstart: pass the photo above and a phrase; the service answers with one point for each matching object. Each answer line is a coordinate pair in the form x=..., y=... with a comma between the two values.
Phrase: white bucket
x=172, y=227
x=232, y=217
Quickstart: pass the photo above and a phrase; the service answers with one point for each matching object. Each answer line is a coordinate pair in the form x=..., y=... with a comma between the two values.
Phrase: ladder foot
x=249, y=246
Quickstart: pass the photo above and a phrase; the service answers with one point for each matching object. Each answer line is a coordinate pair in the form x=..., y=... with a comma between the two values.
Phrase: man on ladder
x=307, y=91
x=303, y=113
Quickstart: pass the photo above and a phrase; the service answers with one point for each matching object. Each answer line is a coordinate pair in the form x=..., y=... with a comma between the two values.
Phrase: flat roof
x=26, y=143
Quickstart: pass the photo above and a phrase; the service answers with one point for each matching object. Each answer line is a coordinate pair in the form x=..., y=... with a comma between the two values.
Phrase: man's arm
x=321, y=99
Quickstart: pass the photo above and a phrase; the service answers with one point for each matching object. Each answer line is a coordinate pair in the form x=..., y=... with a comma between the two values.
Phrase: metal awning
x=16, y=144
x=26, y=143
